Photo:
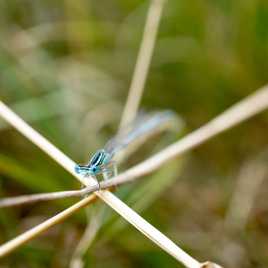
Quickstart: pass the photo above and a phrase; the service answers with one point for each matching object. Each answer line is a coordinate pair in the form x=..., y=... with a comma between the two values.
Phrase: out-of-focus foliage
x=65, y=67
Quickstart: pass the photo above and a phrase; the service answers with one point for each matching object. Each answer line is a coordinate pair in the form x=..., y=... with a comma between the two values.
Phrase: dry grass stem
x=241, y=111
x=138, y=81
x=248, y=107
x=127, y=213
x=28, y=235
x=87, y=238
x=143, y=61
x=249, y=181
x=26, y=199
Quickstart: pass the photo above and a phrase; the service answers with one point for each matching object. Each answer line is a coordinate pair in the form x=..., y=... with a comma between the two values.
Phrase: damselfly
x=102, y=161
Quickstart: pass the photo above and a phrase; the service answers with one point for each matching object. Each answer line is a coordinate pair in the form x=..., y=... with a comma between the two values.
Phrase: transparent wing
x=144, y=124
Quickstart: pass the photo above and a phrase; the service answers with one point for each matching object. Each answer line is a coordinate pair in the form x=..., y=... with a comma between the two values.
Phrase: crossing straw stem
x=120, y=207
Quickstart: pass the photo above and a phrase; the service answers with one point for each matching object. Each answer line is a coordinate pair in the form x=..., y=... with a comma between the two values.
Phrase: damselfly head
x=87, y=170
x=83, y=170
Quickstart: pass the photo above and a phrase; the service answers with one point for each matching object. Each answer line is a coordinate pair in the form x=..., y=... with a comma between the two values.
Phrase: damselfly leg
x=109, y=170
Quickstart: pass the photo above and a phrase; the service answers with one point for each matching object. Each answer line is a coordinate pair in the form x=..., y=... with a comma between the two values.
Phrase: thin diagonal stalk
x=250, y=178
x=132, y=217
x=28, y=235
x=166, y=244
x=143, y=61
x=137, y=83
x=26, y=199
x=93, y=225
x=241, y=111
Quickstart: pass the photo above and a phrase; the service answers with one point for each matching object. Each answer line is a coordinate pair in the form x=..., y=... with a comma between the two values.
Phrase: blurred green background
x=66, y=66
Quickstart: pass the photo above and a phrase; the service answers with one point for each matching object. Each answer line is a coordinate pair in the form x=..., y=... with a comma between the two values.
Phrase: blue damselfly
x=145, y=124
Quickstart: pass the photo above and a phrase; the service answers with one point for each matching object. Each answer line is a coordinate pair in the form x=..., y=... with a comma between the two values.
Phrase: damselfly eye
x=77, y=169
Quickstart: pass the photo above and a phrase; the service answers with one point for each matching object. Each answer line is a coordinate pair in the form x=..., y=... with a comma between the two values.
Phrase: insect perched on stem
x=102, y=161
